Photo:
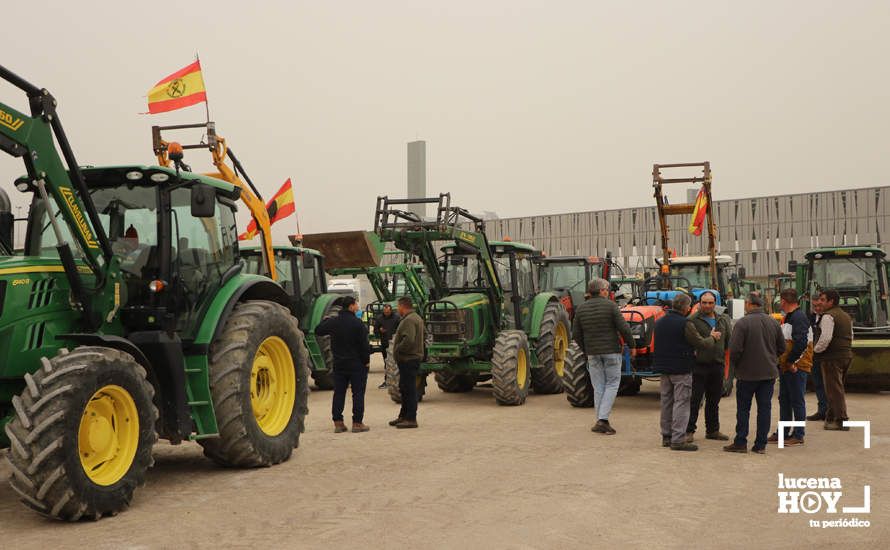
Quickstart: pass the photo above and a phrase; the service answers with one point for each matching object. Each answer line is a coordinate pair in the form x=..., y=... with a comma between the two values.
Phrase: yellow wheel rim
x=521, y=368
x=273, y=386
x=108, y=435
x=560, y=345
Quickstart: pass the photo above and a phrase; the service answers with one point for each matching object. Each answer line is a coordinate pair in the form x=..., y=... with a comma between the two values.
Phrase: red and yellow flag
x=698, y=213
x=181, y=89
x=281, y=206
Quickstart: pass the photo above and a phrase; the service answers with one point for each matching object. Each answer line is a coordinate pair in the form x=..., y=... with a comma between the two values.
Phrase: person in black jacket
x=675, y=359
x=352, y=356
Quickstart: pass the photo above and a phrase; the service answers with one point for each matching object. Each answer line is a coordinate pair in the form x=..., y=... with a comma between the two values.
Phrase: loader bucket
x=346, y=249
x=870, y=369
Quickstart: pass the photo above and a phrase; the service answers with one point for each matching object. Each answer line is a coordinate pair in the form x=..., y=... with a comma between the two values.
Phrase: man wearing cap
x=754, y=349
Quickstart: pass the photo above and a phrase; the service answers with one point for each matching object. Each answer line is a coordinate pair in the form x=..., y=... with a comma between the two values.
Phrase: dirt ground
x=476, y=475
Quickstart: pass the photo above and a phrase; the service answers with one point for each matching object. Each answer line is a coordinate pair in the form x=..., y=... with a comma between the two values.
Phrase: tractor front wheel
x=259, y=382
x=82, y=434
x=576, y=378
x=510, y=366
x=392, y=378
x=551, y=348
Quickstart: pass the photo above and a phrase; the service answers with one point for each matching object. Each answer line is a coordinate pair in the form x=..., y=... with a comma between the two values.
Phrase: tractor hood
x=467, y=301
x=23, y=265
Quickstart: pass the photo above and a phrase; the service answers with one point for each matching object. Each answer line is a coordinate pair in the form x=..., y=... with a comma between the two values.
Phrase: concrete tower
x=417, y=174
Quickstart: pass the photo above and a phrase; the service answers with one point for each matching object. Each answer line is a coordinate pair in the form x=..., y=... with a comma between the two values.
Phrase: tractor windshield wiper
x=862, y=269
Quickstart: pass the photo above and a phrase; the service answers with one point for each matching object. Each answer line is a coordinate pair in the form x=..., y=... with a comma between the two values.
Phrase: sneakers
x=406, y=424
x=684, y=447
x=340, y=427
x=396, y=421
x=717, y=435
x=836, y=425
x=599, y=427
x=793, y=442
x=733, y=448
x=816, y=416
x=690, y=437
x=358, y=427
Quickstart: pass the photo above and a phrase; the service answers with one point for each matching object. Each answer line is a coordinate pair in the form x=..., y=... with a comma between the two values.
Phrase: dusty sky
x=527, y=107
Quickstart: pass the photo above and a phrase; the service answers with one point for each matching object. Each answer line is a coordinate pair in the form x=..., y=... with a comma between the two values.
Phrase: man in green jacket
x=708, y=332
x=408, y=348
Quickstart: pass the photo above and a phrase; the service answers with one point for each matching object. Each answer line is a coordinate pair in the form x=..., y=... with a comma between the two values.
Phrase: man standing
x=597, y=327
x=834, y=348
x=385, y=326
x=754, y=349
x=352, y=355
x=821, y=400
x=675, y=359
x=708, y=332
x=408, y=349
x=795, y=363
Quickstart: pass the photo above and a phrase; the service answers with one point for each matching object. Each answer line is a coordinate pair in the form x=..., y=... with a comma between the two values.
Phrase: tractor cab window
x=698, y=276
x=310, y=278
x=525, y=274
x=203, y=250
x=43, y=238
x=463, y=271
x=570, y=278
x=285, y=272
x=845, y=272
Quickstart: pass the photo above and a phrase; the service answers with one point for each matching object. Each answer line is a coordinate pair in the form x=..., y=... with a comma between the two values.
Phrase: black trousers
x=408, y=371
x=707, y=382
x=358, y=379
x=384, y=348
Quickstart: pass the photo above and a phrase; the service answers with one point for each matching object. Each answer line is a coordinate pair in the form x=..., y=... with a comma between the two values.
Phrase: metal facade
x=763, y=233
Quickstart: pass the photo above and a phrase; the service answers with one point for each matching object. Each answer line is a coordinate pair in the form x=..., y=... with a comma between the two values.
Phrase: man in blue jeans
x=795, y=363
x=597, y=327
x=754, y=349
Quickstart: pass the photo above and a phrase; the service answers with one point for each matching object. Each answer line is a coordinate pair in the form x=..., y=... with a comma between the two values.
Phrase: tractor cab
x=569, y=276
x=859, y=274
x=300, y=271
x=690, y=274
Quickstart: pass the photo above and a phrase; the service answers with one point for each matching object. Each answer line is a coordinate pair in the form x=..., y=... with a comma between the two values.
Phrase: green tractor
x=127, y=318
x=485, y=319
x=300, y=271
x=859, y=274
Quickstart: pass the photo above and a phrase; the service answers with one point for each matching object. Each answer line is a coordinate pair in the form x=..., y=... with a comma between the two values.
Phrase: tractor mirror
x=203, y=201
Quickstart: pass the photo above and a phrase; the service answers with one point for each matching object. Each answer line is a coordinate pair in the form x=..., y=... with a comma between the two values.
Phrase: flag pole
x=206, y=100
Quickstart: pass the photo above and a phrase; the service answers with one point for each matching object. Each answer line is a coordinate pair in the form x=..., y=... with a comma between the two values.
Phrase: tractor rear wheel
x=324, y=380
x=553, y=342
x=450, y=382
x=82, y=434
x=510, y=366
x=259, y=382
x=576, y=378
x=392, y=378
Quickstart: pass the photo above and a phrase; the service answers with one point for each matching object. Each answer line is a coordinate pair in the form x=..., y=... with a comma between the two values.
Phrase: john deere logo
x=11, y=122
x=176, y=88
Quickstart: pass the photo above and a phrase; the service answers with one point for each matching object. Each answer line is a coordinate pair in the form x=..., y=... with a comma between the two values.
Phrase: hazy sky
x=527, y=107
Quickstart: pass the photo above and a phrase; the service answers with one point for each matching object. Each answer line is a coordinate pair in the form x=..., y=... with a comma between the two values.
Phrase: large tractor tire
x=82, y=434
x=392, y=377
x=551, y=348
x=259, y=382
x=576, y=378
x=450, y=382
x=510, y=366
x=324, y=380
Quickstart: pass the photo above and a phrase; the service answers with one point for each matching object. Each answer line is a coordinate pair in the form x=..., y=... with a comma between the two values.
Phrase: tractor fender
x=240, y=288
x=318, y=310
x=539, y=304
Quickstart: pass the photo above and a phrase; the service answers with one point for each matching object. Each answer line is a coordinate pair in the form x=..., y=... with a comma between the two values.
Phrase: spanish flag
x=181, y=89
x=281, y=206
x=698, y=213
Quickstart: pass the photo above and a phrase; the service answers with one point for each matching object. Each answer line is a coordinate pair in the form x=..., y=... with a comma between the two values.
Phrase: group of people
x=352, y=357
x=691, y=353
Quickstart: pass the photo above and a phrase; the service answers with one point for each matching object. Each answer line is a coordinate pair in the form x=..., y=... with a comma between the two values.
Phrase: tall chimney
x=417, y=175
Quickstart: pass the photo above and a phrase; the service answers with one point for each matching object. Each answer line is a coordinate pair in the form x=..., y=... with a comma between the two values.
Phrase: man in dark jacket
x=674, y=359
x=795, y=363
x=352, y=355
x=708, y=332
x=385, y=326
x=834, y=348
x=818, y=386
x=754, y=349
x=597, y=327
x=408, y=349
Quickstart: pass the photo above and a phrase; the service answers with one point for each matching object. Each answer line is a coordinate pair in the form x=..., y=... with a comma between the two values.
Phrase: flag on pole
x=698, y=213
x=181, y=89
x=281, y=206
